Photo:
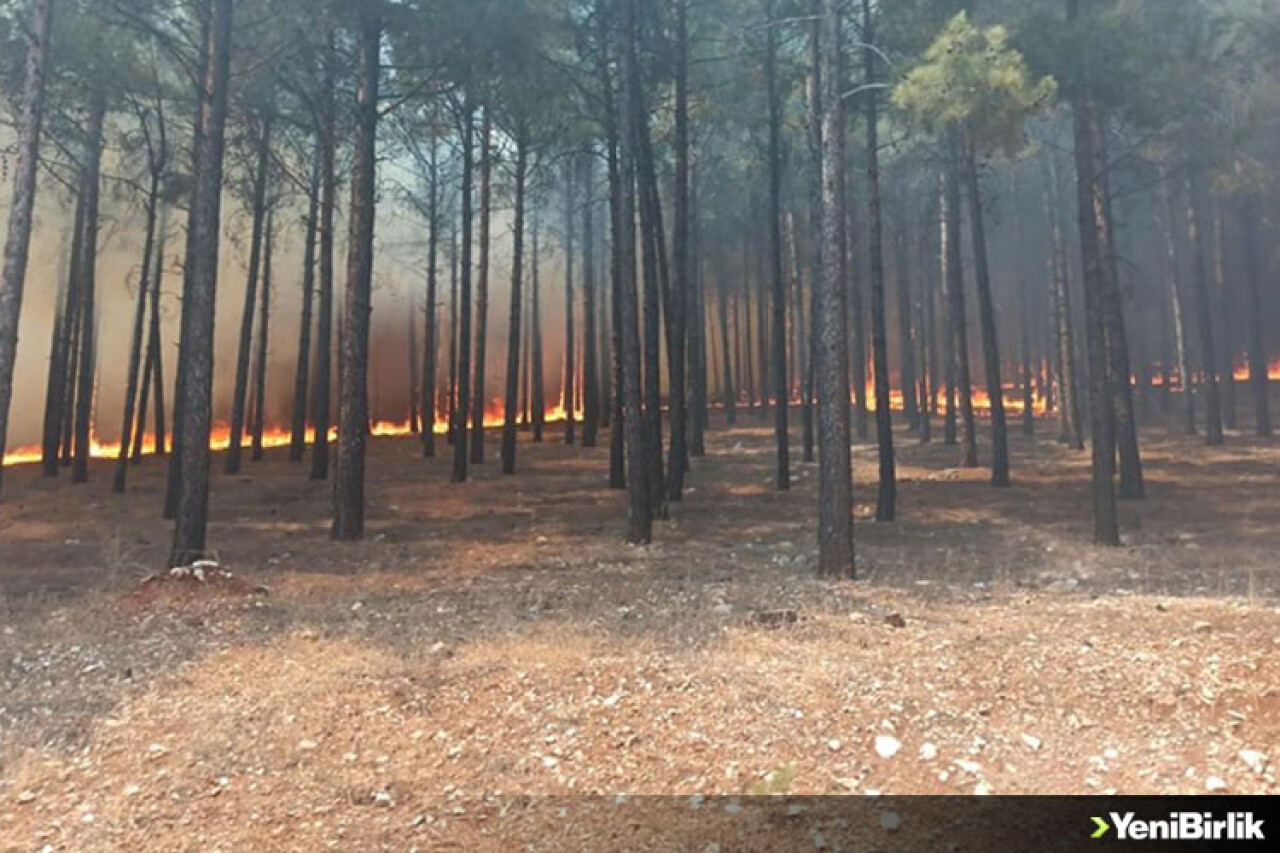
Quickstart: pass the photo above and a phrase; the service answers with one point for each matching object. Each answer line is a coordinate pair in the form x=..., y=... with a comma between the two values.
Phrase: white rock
x=307, y=745
x=928, y=752
x=1032, y=742
x=968, y=766
x=1110, y=754
x=382, y=798
x=132, y=790
x=27, y=797
x=834, y=744
x=1214, y=783
x=982, y=789
x=1256, y=760
x=887, y=746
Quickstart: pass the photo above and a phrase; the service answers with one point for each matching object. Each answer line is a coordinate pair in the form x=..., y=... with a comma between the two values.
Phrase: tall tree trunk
x=1177, y=304
x=696, y=324
x=615, y=125
x=782, y=467
x=887, y=492
x=83, y=434
x=18, y=240
x=730, y=392
x=415, y=375
x=538, y=379
x=56, y=412
x=590, y=357
x=353, y=405
x=945, y=261
x=568, y=385
x=451, y=427
x=463, y=405
x=1204, y=316
x=680, y=299
x=320, y=417
x=813, y=118
x=259, y=209
x=956, y=308
x=639, y=493
x=987, y=318
x=431, y=334
x=1131, y=479
x=302, y=372
x=1106, y=530
x=1071, y=432
x=857, y=319
x=835, y=472
x=1258, y=379
x=258, y=422
x=139, y=321
x=153, y=373
x=907, y=336
x=195, y=353
x=482, y=286
x=513, y=326
x=1225, y=297
x=652, y=243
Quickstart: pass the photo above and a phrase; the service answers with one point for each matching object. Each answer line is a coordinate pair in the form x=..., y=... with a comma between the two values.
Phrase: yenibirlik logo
x=1182, y=826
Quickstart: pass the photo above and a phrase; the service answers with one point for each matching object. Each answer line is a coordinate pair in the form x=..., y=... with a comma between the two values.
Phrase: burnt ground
x=496, y=639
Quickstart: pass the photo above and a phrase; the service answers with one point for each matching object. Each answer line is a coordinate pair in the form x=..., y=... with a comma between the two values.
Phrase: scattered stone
x=887, y=746
x=1033, y=743
x=383, y=799
x=834, y=744
x=26, y=797
x=928, y=752
x=1256, y=761
x=1215, y=783
x=895, y=620
x=307, y=745
x=982, y=789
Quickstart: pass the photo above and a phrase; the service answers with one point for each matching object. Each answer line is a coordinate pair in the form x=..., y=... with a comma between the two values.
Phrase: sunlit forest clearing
x=412, y=407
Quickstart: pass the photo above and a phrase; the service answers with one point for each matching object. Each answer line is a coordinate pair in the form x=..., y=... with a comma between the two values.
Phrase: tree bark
x=140, y=312
x=538, y=378
x=835, y=473
x=1071, y=432
x=353, y=407
x=196, y=350
x=569, y=385
x=430, y=336
x=463, y=403
x=18, y=239
x=153, y=373
x=258, y=422
x=1177, y=304
x=956, y=309
x=302, y=372
x=987, y=318
x=320, y=417
x=1204, y=316
x=259, y=208
x=482, y=286
x=1106, y=530
x=1258, y=379
x=590, y=357
x=84, y=381
x=639, y=508
x=56, y=412
x=782, y=466
x=513, y=326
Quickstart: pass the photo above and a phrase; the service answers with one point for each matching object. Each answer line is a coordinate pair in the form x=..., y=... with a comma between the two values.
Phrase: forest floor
x=495, y=639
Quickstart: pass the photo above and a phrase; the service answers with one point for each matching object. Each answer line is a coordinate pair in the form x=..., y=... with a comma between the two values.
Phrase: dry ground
x=493, y=639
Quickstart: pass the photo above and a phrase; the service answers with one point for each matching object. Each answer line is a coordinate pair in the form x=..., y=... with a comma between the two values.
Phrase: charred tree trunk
x=153, y=372
x=353, y=409
x=451, y=427
x=463, y=404
x=1225, y=297
x=695, y=298
x=513, y=326
x=615, y=126
x=639, y=508
x=987, y=318
x=782, y=467
x=1177, y=304
x=590, y=357
x=907, y=336
x=430, y=335
x=813, y=116
x=959, y=332
x=538, y=379
x=1106, y=529
x=302, y=373
x=1258, y=379
x=195, y=353
x=1204, y=316
x=56, y=413
x=835, y=474
x=482, y=286
x=84, y=381
x=681, y=290
x=1071, y=432
x=730, y=392
x=240, y=392
x=140, y=309
x=258, y=422
x=18, y=240
x=568, y=385
x=320, y=417
x=887, y=492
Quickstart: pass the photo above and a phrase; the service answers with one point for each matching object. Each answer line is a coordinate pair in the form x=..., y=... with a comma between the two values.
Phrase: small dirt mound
x=203, y=579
